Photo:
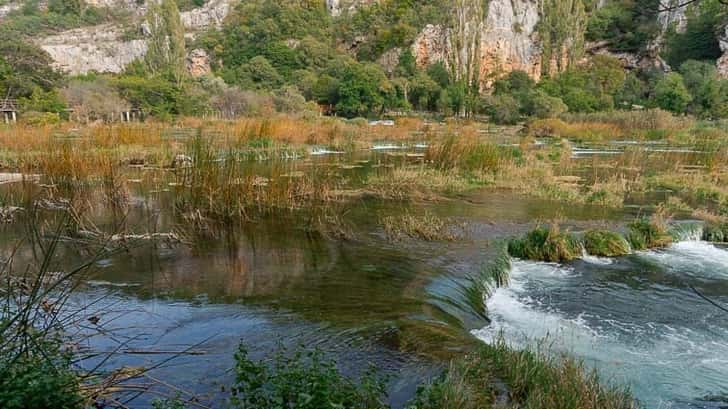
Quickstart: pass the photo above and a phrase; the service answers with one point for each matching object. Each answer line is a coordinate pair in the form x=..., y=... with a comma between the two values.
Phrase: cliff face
x=723, y=61
x=108, y=48
x=508, y=41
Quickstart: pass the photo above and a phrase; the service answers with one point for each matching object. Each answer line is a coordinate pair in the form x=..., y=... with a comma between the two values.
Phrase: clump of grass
x=604, y=243
x=539, y=379
x=427, y=226
x=647, y=233
x=551, y=245
x=407, y=183
x=717, y=233
x=468, y=155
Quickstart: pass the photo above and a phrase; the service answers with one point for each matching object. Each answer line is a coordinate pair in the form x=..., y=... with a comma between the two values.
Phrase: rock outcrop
x=8, y=8
x=99, y=48
x=211, y=14
x=723, y=61
x=108, y=48
x=198, y=63
x=509, y=41
x=337, y=7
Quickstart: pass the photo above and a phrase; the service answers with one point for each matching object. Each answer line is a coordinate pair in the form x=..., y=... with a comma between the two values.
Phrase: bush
x=605, y=243
x=542, y=105
x=38, y=380
x=542, y=244
x=502, y=109
x=671, y=93
x=302, y=380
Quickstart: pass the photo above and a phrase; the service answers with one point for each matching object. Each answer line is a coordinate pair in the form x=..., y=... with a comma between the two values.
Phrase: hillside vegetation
x=294, y=56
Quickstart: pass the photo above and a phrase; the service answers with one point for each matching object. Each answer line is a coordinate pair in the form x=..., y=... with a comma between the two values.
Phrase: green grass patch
x=717, y=233
x=647, y=234
x=543, y=244
x=604, y=243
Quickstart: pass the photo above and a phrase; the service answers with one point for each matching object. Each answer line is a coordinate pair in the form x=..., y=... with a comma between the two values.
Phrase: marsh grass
x=715, y=232
x=417, y=183
x=542, y=244
x=648, y=233
x=541, y=378
x=604, y=243
x=425, y=226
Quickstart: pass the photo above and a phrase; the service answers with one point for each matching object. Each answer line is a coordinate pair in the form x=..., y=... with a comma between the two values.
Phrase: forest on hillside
x=295, y=57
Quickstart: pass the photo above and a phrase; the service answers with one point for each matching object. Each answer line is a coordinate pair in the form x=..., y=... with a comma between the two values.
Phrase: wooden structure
x=9, y=110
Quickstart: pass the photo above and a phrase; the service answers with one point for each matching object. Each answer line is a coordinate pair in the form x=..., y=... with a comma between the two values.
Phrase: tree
x=424, y=92
x=362, y=90
x=466, y=25
x=24, y=67
x=258, y=73
x=671, y=93
x=562, y=27
x=166, y=43
x=706, y=88
x=93, y=99
x=542, y=105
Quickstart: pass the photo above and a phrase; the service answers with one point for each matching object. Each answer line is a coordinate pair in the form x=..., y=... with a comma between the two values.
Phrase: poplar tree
x=166, y=44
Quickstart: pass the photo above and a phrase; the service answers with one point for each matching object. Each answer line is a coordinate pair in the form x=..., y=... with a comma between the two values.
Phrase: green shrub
x=302, y=380
x=647, y=234
x=41, y=379
x=604, y=243
x=543, y=244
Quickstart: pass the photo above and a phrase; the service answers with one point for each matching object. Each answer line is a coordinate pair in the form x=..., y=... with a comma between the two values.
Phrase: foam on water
x=697, y=258
x=603, y=261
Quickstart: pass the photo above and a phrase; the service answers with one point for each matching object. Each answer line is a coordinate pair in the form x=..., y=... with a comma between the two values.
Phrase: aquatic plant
x=647, y=233
x=540, y=378
x=426, y=226
x=714, y=232
x=303, y=379
x=541, y=244
x=604, y=243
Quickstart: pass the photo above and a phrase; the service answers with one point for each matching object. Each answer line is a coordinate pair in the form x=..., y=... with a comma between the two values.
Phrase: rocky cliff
x=723, y=61
x=508, y=41
x=110, y=48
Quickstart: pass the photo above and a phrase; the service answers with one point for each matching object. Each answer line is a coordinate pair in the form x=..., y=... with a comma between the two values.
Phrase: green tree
x=702, y=81
x=258, y=73
x=74, y=7
x=25, y=67
x=671, y=93
x=166, y=43
x=363, y=90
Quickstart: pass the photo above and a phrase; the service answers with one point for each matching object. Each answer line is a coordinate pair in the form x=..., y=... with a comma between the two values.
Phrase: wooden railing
x=8, y=105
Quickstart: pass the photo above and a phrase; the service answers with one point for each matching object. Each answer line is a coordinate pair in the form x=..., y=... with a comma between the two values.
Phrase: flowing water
x=635, y=318
x=396, y=304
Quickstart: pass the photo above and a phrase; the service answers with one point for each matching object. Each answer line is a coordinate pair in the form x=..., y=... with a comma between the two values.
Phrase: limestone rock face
x=198, y=63
x=104, y=48
x=8, y=8
x=430, y=45
x=723, y=61
x=337, y=7
x=211, y=14
x=509, y=41
x=100, y=48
